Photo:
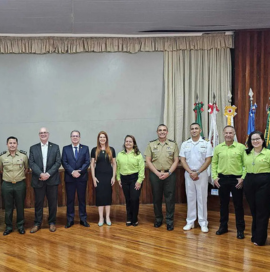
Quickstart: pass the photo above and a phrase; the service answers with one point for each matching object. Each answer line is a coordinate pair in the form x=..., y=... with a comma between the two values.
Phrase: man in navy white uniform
x=196, y=155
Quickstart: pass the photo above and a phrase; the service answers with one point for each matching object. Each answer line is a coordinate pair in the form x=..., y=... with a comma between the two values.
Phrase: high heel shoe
x=101, y=224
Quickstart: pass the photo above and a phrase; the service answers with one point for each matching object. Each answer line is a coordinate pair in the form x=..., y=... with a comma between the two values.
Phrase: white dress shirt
x=78, y=149
x=44, y=150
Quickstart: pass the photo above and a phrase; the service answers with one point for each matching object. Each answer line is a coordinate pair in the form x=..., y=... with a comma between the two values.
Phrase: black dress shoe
x=240, y=235
x=170, y=227
x=7, y=232
x=157, y=224
x=135, y=224
x=21, y=230
x=69, y=224
x=128, y=223
x=221, y=231
x=84, y=223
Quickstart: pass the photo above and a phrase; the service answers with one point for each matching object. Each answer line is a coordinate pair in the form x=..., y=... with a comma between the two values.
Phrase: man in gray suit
x=45, y=160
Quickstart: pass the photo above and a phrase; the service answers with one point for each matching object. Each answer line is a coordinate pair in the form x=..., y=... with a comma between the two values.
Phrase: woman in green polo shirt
x=130, y=175
x=257, y=185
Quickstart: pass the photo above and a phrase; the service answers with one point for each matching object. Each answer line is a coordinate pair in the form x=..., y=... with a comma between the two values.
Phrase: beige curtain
x=188, y=72
x=200, y=64
x=44, y=45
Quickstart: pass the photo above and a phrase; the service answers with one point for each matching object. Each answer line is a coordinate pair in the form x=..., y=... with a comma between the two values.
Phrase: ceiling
x=131, y=17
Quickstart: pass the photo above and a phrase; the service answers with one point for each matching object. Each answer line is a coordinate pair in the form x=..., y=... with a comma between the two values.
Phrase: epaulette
x=153, y=141
x=2, y=153
x=171, y=141
x=23, y=152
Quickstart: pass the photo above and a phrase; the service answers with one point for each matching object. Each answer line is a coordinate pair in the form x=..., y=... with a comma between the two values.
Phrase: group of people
x=45, y=161
x=234, y=169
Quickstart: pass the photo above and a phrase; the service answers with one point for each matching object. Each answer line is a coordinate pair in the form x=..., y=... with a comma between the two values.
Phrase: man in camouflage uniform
x=162, y=157
x=13, y=165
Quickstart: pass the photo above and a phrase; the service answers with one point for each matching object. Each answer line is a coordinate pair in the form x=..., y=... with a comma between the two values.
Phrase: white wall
x=117, y=92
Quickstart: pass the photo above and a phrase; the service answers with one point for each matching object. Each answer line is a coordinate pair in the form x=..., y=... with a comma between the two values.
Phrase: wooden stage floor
x=121, y=248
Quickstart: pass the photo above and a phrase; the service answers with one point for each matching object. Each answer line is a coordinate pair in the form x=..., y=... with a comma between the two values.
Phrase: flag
x=230, y=112
x=213, y=132
x=267, y=130
x=198, y=116
x=251, y=118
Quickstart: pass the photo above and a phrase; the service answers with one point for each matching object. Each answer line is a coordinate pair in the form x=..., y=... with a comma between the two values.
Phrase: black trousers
x=71, y=188
x=51, y=193
x=166, y=187
x=132, y=196
x=227, y=185
x=14, y=193
x=257, y=191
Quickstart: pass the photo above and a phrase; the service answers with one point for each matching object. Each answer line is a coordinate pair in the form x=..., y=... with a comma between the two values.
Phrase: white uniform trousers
x=197, y=192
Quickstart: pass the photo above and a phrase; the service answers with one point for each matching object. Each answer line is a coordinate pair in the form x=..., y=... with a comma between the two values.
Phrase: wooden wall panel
x=117, y=197
x=252, y=70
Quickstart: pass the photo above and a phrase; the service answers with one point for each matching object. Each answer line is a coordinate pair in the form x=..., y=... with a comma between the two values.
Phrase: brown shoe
x=35, y=229
x=52, y=228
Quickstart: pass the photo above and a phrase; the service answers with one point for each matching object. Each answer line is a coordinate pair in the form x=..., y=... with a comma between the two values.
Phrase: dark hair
x=135, y=147
x=13, y=138
x=195, y=123
x=249, y=144
x=162, y=125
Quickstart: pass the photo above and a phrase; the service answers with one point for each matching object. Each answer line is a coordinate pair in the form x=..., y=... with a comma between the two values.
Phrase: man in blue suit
x=76, y=160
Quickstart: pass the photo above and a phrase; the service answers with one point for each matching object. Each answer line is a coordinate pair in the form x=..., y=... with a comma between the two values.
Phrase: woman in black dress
x=103, y=168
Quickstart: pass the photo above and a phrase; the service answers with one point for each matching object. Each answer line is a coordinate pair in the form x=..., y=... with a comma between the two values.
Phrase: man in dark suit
x=76, y=160
x=45, y=160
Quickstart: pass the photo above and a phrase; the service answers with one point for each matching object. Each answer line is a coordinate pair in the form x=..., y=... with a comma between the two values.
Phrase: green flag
x=198, y=114
x=267, y=130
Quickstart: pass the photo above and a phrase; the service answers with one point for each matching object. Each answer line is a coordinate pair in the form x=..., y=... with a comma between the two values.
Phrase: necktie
x=76, y=152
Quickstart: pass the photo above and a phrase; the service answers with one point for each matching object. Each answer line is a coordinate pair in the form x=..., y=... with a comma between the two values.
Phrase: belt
x=229, y=176
x=13, y=182
x=165, y=171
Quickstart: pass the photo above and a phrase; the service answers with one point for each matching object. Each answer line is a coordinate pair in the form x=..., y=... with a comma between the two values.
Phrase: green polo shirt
x=130, y=163
x=228, y=160
x=257, y=164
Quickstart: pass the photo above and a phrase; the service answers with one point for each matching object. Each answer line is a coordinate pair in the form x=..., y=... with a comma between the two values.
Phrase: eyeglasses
x=41, y=133
x=75, y=136
x=256, y=139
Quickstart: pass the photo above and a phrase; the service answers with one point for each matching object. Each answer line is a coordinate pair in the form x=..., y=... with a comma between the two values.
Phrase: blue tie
x=76, y=152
